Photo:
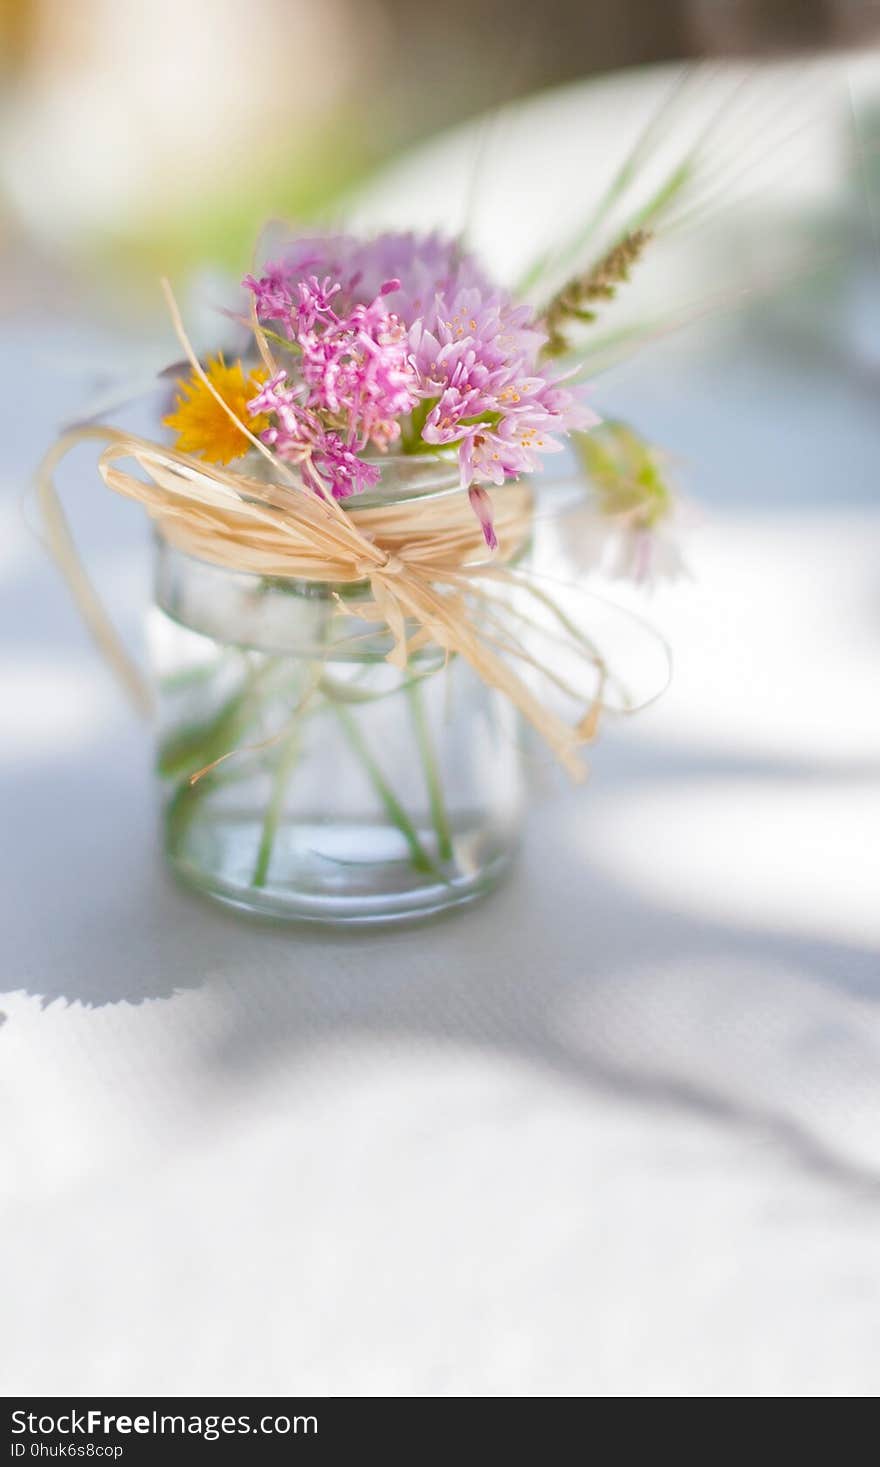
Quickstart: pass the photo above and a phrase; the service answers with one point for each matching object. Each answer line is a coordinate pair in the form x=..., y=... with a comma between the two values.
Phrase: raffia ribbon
x=423, y=560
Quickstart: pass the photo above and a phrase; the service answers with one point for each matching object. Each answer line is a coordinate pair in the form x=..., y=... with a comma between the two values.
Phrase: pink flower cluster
x=299, y=434
x=404, y=339
x=352, y=382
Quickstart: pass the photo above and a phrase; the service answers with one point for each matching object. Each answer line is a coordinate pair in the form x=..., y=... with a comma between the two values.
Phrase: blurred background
x=616, y=1132
x=154, y=136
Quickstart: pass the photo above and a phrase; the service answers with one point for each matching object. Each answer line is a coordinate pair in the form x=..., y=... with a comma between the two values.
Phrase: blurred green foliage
x=220, y=226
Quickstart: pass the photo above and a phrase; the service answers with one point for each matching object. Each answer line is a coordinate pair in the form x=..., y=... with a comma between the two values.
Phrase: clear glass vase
x=331, y=787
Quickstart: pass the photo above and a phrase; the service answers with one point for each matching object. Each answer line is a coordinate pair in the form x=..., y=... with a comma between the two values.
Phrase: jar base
x=319, y=890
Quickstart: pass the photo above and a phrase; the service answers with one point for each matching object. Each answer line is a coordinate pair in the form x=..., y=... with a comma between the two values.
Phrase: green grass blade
x=393, y=808
x=286, y=763
x=439, y=817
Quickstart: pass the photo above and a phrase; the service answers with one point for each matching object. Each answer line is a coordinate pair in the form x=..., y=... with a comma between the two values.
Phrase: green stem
x=286, y=761
x=439, y=817
x=420, y=858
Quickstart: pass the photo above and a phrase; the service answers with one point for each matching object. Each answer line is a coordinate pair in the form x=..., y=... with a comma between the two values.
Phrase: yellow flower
x=201, y=425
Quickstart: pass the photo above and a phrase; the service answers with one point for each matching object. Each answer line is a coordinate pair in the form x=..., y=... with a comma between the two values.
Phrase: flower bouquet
x=348, y=634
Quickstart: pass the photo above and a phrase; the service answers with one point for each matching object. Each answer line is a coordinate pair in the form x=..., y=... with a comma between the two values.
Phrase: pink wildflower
x=299, y=435
x=341, y=467
x=479, y=362
x=272, y=294
x=382, y=325
x=481, y=505
x=314, y=302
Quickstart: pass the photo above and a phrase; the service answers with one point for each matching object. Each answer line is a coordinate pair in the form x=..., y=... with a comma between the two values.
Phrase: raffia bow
x=422, y=558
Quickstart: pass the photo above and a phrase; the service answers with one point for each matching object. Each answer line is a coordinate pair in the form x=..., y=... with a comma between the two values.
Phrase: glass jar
x=304, y=777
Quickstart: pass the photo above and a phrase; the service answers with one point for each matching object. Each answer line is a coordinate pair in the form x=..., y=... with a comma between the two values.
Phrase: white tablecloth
x=614, y=1132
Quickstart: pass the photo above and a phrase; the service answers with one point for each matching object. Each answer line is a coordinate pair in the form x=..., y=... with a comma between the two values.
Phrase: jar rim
x=404, y=477
x=411, y=476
